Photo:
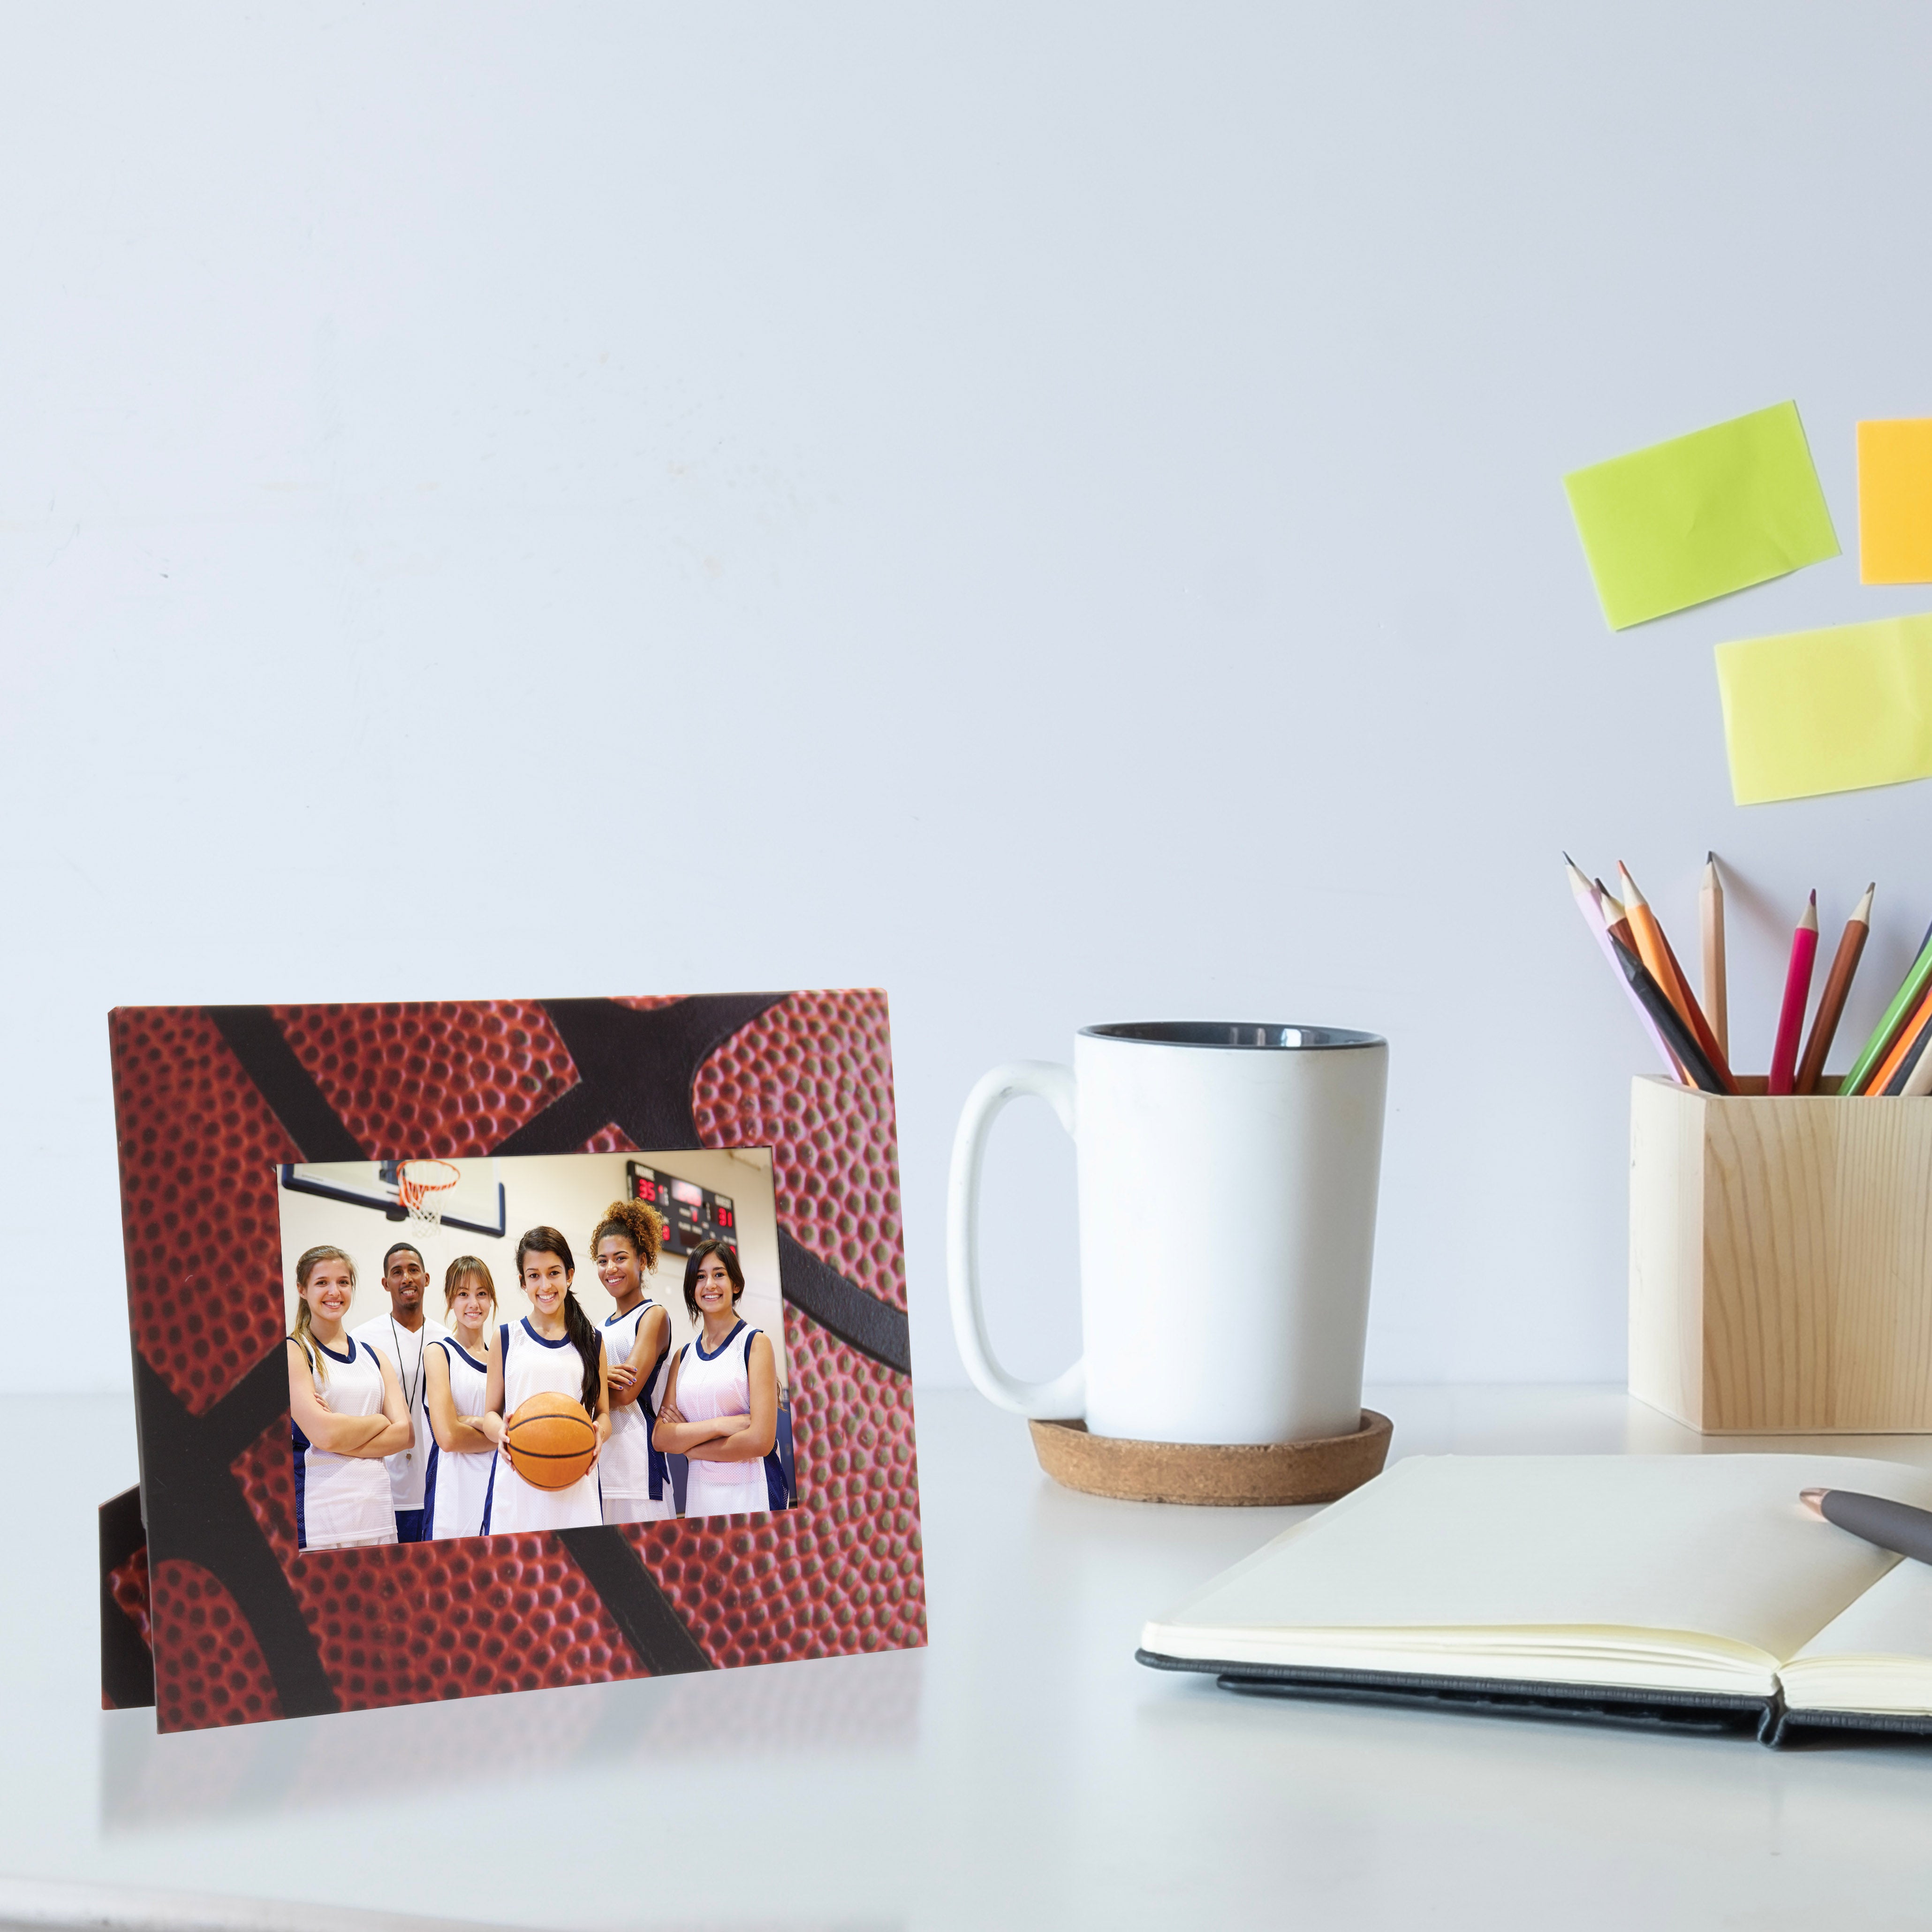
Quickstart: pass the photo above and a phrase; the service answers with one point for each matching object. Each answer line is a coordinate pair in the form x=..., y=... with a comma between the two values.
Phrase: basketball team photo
x=488, y=1346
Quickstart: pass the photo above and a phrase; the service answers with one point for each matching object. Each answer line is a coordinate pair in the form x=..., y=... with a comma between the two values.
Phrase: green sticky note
x=1829, y=710
x=1691, y=519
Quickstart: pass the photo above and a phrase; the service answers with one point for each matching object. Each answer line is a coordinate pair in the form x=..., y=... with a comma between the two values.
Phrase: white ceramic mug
x=1227, y=1181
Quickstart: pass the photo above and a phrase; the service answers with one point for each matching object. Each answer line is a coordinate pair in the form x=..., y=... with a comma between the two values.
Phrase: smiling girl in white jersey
x=554, y=1348
x=720, y=1407
x=346, y=1413
x=636, y=1481
x=457, y=1381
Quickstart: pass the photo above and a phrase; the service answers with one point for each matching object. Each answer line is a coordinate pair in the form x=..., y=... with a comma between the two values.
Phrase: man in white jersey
x=401, y=1335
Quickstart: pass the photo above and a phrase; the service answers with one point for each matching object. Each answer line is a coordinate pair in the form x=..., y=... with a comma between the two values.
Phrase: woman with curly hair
x=636, y=1348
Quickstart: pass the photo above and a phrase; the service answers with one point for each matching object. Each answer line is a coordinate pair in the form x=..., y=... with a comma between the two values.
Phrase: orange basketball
x=550, y=1441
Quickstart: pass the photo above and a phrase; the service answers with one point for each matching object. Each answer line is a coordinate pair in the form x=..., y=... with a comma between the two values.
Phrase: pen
x=1895, y=1526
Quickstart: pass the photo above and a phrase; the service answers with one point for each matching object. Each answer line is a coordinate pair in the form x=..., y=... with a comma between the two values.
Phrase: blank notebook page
x=1877, y=1655
x=1715, y=1545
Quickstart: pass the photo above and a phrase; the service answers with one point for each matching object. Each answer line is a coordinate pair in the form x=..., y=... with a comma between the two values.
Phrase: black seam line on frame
x=284, y=1083
x=635, y=1067
x=563, y=1127
x=860, y=1320
x=197, y=1511
x=127, y=1663
x=639, y=1608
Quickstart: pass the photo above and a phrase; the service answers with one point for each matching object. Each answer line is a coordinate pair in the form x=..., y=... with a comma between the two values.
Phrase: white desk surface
x=1022, y=1771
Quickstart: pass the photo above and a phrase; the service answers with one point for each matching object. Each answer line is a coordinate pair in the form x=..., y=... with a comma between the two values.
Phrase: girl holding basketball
x=456, y=1383
x=721, y=1406
x=553, y=1349
x=636, y=1483
x=346, y=1413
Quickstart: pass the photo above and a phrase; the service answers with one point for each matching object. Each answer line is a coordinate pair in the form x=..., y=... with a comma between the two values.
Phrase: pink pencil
x=1797, y=992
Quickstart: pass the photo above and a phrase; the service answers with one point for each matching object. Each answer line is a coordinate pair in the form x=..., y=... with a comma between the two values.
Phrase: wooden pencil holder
x=1780, y=1275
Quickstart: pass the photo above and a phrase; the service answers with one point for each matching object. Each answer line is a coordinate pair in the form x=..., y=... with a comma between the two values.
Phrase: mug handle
x=1065, y=1397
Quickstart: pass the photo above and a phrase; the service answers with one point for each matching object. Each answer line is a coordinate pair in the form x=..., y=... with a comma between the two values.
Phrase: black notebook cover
x=1766, y=1718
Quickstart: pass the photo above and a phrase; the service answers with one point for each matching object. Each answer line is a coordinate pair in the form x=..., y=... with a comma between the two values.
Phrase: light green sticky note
x=1692, y=519
x=1830, y=710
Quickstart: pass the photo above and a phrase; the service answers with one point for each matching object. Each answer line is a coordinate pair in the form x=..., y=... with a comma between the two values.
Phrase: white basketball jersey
x=721, y=1384
x=629, y=1466
x=532, y=1364
x=404, y=1350
x=455, y=1487
x=343, y=1500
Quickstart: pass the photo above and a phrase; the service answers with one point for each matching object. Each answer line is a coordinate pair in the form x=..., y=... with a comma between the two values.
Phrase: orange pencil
x=1901, y=1046
x=1654, y=951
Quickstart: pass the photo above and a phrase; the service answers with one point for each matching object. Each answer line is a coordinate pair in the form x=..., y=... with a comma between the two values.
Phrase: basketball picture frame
x=213, y=1104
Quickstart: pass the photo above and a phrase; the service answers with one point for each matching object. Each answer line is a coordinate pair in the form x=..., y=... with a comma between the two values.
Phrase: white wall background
x=1067, y=495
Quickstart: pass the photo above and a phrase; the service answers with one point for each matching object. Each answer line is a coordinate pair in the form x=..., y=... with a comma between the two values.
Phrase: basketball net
x=423, y=1183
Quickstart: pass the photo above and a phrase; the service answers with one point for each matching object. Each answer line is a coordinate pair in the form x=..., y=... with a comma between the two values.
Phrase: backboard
x=475, y=1202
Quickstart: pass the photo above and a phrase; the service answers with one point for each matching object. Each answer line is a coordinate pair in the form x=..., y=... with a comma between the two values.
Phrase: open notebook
x=1691, y=1591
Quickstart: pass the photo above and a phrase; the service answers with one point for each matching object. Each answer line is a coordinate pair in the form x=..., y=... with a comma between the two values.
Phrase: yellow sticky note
x=1831, y=710
x=1895, y=501
x=1701, y=515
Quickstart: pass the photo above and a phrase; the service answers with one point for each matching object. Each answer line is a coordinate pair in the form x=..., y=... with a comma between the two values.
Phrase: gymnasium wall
x=1053, y=511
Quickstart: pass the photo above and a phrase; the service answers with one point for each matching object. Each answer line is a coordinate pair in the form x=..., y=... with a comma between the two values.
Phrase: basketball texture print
x=243, y=1626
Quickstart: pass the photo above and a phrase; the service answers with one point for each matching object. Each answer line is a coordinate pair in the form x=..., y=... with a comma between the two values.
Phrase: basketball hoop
x=423, y=1183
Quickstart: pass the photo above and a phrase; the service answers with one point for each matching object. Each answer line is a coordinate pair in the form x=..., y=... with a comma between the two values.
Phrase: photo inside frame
x=433, y=1254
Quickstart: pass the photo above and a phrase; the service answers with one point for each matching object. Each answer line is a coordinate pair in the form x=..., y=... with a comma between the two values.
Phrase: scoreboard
x=691, y=1214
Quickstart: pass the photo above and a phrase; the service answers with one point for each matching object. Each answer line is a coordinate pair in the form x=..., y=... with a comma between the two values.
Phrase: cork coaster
x=1317, y=1471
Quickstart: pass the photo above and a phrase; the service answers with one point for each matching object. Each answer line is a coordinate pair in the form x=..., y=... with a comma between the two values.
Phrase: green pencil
x=1883, y=1033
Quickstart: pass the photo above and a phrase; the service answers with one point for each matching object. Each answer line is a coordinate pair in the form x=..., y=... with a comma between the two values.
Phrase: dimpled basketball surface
x=812, y=1080
x=198, y=1151
x=550, y=1440
x=388, y=1071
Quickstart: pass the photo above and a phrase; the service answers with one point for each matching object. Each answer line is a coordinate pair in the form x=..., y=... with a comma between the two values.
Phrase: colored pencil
x=1585, y=896
x=1918, y=1081
x=1682, y=1042
x=1906, y=1065
x=1831, y=1001
x=1654, y=950
x=1880, y=1077
x=1614, y=917
x=1886, y=1031
x=1711, y=923
x=1797, y=993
